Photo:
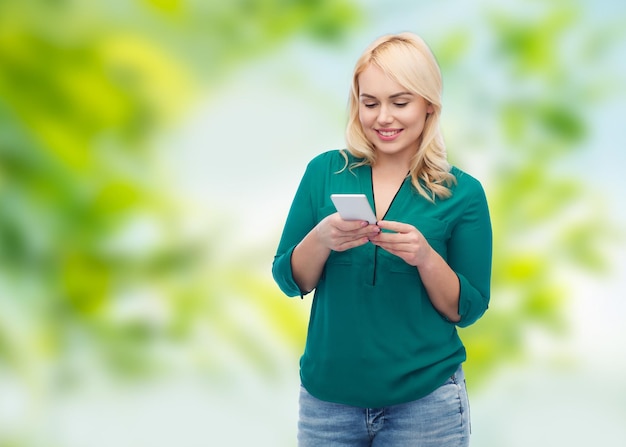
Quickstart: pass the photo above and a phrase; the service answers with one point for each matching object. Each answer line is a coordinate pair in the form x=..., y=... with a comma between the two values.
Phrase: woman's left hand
x=406, y=242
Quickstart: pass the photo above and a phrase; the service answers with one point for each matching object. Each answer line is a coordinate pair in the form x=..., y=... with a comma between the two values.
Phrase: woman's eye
x=370, y=106
x=400, y=104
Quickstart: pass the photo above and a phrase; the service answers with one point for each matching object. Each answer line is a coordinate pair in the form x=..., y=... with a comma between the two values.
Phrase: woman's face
x=392, y=117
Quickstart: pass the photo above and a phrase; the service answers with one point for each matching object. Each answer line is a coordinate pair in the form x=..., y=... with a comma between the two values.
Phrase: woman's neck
x=390, y=166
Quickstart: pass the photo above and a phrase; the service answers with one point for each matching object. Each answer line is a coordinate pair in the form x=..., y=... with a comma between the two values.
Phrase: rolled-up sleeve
x=300, y=220
x=470, y=255
x=283, y=274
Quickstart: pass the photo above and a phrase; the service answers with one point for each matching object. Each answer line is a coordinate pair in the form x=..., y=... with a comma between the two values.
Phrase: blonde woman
x=382, y=362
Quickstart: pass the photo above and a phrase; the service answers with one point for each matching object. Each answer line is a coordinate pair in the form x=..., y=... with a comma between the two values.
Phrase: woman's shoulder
x=335, y=160
x=466, y=184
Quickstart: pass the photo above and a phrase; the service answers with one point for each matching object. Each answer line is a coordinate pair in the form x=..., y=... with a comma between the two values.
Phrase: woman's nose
x=385, y=116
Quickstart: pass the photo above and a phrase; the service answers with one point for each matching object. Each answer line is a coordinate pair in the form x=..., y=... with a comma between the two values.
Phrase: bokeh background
x=149, y=152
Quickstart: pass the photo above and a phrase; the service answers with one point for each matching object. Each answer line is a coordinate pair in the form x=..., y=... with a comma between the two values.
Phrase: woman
x=382, y=363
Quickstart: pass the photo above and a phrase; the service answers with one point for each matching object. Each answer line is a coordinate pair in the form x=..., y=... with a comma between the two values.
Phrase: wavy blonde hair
x=407, y=60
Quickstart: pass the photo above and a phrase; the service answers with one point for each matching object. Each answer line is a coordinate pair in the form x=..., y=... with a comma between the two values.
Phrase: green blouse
x=374, y=338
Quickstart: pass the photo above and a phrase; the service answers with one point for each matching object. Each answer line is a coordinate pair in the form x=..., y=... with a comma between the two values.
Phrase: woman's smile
x=388, y=134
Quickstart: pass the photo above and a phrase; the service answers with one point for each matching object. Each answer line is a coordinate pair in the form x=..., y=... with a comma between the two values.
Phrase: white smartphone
x=353, y=207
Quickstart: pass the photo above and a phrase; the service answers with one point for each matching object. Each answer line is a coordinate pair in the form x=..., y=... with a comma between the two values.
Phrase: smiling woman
x=411, y=76
x=381, y=107
x=389, y=296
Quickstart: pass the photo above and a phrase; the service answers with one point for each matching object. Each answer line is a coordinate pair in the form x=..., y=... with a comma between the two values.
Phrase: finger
x=342, y=237
x=390, y=238
x=398, y=227
x=347, y=236
x=369, y=231
x=393, y=247
x=350, y=225
x=351, y=244
x=397, y=249
x=393, y=251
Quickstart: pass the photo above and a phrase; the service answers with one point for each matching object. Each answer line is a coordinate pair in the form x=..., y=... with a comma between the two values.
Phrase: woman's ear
x=430, y=109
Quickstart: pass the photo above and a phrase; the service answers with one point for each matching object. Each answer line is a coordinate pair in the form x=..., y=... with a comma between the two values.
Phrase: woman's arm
x=306, y=244
x=332, y=233
x=469, y=256
x=441, y=284
x=440, y=281
x=458, y=287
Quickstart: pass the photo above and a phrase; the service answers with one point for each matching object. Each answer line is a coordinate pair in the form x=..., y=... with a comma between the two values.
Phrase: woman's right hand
x=341, y=235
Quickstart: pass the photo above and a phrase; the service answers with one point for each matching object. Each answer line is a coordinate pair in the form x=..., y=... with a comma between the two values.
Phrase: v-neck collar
x=367, y=185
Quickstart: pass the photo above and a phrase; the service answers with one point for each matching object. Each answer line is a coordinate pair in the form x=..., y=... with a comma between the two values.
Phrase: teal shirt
x=374, y=338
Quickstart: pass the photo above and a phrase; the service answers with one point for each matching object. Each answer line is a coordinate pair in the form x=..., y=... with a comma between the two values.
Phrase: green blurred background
x=149, y=151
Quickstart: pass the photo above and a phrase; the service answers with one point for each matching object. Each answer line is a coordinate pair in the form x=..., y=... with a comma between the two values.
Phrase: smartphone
x=353, y=207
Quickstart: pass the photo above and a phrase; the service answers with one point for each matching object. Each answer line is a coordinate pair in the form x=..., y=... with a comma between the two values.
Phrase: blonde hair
x=407, y=60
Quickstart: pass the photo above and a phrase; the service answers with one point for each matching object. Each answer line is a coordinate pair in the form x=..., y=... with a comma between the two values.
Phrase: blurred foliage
x=98, y=272
x=98, y=275
x=547, y=225
x=77, y=107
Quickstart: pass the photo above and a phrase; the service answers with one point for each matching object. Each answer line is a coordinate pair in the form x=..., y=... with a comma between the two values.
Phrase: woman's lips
x=388, y=134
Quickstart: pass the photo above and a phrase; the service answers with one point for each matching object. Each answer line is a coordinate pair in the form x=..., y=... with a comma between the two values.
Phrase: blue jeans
x=440, y=419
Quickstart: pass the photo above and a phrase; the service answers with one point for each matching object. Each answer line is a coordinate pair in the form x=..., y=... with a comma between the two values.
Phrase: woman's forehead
x=373, y=81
